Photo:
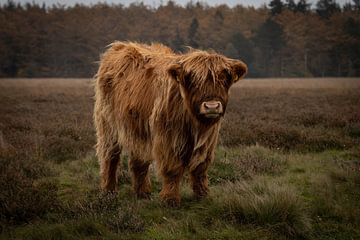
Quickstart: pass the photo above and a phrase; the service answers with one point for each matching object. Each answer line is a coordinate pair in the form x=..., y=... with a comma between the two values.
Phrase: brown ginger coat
x=146, y=103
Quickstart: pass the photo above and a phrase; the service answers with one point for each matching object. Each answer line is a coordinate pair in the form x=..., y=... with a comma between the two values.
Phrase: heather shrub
x=245, y=162
x=258, y=160
x=25, y=193
x=117, y=214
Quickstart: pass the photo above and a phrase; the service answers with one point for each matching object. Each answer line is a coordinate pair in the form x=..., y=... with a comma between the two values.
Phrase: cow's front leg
x=140, y=177
x=199, y=180
x=170, y=192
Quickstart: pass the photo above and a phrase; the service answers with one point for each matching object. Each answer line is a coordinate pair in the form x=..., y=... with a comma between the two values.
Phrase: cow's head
x=204, y=80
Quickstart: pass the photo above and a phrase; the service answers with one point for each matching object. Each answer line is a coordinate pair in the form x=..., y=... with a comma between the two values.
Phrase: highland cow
x=164, y=108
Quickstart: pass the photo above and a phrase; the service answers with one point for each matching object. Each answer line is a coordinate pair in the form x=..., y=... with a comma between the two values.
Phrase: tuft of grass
x=117, y=214
x=347, y=168
x=335, y=197
x=222, y=169
x=278, y=207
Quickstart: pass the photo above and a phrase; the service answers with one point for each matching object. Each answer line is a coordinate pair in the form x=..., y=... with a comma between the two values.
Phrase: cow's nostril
x=212, y=105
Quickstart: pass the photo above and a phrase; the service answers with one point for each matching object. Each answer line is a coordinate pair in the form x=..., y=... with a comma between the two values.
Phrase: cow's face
x=204, y=81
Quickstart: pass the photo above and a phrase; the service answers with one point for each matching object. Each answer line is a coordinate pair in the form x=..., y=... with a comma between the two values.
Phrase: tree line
x=283, y=39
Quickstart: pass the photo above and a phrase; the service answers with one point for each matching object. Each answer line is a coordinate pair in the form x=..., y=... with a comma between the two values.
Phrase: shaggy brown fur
x=163, y=107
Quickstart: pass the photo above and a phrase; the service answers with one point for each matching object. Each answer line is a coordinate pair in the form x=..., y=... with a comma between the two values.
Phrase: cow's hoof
x=199, y=197
x=109, y=187
x=171, y=201
x=143, y=195
x=174, y=203
x=106, y=192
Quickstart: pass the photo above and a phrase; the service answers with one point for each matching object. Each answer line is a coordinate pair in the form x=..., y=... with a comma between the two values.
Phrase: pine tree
x=177, y=42
x=303, y=6
x=269, y=39
x=276, y=7
x=356, y=6
x=243, y=47
x=192, y=33
x=291, y=5
x=326, y=8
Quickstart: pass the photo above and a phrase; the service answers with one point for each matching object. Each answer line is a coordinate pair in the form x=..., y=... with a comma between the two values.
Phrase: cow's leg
x=170, y=192
x=199, y=180
x=108, y=152
x=140, y=177
x=109, y=157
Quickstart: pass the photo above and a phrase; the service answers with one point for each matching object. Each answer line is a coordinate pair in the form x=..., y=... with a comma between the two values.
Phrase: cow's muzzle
x=211, y=109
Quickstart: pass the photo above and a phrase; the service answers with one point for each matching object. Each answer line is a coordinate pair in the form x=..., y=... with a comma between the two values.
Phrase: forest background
x=282, y=39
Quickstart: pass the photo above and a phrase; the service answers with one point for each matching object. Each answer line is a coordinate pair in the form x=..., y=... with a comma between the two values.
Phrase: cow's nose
x=212, y=105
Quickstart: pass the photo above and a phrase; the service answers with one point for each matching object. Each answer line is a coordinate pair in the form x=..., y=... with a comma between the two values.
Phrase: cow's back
x=129, y=83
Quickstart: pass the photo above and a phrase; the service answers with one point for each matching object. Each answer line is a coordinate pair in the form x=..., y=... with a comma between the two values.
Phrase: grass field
x=287, y=167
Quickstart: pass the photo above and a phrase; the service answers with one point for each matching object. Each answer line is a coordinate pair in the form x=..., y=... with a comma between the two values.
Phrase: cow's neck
x=193, y=132
x=203, y=133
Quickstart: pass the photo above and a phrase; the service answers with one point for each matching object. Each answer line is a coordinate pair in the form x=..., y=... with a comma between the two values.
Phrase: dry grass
x=301, y=115
x=254, y=160
x=47, y=118
x=53, y=117
x=233, y=164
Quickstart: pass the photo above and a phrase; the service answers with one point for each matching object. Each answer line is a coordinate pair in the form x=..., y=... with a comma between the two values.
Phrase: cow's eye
x=226, y=77
x=187, y=80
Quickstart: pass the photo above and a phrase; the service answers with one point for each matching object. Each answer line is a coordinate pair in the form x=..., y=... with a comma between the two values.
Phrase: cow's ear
x=176, y=72
x=238, y=70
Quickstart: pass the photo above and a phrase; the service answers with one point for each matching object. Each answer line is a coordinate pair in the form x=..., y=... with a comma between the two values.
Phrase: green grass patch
x=274, y=206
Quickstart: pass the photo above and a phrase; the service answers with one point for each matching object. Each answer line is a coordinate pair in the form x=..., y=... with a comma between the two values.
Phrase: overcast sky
x=155, y=3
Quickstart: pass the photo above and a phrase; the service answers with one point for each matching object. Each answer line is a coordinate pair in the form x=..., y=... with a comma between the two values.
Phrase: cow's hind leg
x=140, y=177
x=108, y=151
x=109, y=160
